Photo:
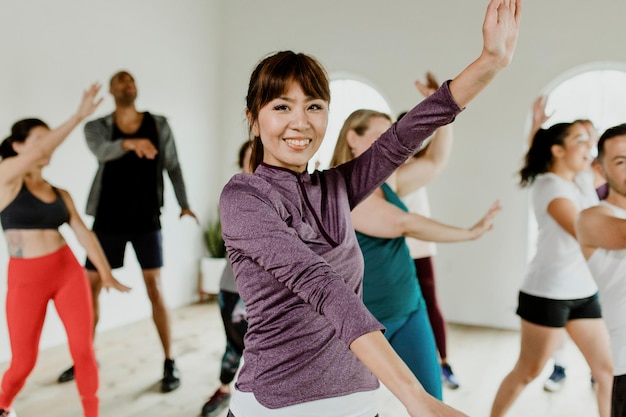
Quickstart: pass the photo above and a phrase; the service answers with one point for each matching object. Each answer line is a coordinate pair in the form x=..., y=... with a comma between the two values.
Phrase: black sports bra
x=28, y=212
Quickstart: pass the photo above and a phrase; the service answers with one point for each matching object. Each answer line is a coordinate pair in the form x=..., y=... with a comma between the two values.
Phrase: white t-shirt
x=559, y=270
x=608, y=268
x=417, y=202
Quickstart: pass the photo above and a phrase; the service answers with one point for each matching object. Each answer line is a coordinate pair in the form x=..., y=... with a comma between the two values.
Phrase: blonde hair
x=359, y=121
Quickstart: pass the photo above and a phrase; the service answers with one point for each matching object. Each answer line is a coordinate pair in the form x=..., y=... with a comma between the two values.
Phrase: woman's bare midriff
x=27, y=243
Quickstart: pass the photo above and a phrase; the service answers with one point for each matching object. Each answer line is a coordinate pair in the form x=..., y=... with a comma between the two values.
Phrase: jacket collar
x=281, y=174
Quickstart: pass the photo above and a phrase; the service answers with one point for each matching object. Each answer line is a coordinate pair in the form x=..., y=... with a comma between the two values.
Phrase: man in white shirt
x=601, y=231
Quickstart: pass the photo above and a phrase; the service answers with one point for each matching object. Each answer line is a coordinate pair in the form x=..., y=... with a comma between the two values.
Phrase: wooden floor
x=131, y=361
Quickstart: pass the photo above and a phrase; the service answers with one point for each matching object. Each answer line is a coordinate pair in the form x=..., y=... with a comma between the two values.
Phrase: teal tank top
x=390, y=286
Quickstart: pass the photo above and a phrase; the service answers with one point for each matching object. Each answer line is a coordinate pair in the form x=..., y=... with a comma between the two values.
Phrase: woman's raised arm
x=500, y=31
x=12, y=169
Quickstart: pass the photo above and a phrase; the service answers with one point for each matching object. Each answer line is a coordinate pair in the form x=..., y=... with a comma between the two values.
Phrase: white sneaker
x=555, y=382
x=449, y=379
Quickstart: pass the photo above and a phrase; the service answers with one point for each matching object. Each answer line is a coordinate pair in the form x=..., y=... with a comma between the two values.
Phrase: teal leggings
x=412, y=339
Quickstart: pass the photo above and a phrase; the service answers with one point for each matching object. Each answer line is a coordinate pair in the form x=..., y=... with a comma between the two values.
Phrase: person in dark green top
x=396, y=296
x=390, y=290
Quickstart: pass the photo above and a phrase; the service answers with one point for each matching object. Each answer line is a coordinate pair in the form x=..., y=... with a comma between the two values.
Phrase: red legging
x=426, y=277
x=32, y=282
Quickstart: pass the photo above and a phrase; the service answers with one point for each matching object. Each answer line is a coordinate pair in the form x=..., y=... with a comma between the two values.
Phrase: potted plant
x=214, y=240
x=212, y=266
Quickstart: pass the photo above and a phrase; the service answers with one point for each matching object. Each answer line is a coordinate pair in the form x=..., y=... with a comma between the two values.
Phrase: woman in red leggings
x=41, y=266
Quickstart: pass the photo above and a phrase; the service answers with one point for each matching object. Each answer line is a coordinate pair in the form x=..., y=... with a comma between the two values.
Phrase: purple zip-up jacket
x=299, y=268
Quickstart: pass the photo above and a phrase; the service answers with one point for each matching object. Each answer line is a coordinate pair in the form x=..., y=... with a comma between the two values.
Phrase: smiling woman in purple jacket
x=312, y=348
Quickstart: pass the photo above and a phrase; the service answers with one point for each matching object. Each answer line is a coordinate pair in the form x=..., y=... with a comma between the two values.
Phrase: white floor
x=131, y=364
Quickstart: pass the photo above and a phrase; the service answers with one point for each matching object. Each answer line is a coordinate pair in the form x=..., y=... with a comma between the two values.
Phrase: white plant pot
x=210, y=274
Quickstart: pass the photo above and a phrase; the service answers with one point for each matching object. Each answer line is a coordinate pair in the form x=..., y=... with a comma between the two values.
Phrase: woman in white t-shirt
x=558, y=291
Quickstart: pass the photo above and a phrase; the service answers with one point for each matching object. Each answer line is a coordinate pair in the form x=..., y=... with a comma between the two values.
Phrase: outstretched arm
x=597, y=227
x=377, y=217
x=379, y=357
x=500, y=32
x=90, y=242
x=371, y=168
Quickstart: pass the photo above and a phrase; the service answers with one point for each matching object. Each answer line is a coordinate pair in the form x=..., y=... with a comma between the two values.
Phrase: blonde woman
x=382, y=221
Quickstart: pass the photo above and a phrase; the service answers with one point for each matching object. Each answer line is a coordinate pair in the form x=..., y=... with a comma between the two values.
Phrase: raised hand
x=539, y=117
x=486, y=223
x=429, y=87
x=539, y=112
x=501, y=29
x=90, y=101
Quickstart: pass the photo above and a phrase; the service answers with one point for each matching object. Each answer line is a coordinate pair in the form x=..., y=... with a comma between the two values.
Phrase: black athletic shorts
x=148, y=247
x=556, y=313
x=618, y=401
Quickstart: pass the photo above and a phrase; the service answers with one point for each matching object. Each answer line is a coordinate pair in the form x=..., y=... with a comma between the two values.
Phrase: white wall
x=192, y=60
x=52, y=50
x=390, y=44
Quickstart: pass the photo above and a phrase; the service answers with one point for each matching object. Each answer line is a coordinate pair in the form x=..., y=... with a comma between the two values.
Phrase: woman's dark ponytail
x=19, y=132
x=538, y=159
x=6, y=148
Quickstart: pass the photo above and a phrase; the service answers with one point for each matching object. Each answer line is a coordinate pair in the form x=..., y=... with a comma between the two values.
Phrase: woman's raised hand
x=90, y=101
x=501, y=29
x=429, y=87
x=539, y=113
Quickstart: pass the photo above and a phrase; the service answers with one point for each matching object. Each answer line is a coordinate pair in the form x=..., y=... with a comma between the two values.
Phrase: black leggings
x=235, y=325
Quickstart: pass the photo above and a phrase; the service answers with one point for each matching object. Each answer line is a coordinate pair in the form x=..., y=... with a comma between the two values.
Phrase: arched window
x=596, y=92
x=347, y=95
